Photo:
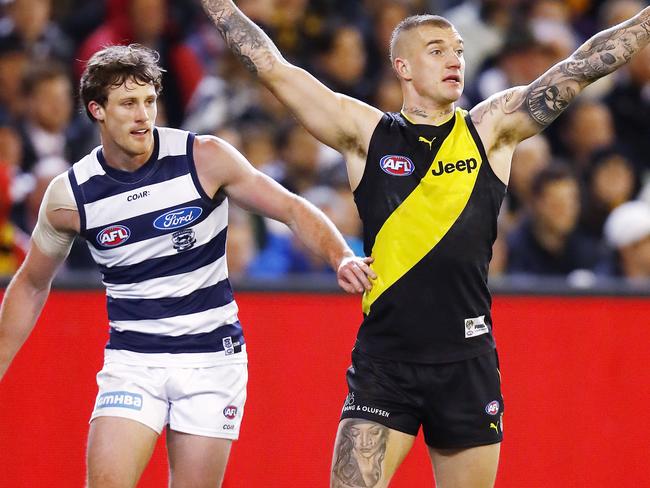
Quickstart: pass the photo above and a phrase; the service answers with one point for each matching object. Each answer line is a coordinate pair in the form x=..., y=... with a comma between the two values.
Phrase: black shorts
x=458, y=404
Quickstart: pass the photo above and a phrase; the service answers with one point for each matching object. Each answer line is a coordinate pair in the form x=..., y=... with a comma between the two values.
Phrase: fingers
x=354, y=276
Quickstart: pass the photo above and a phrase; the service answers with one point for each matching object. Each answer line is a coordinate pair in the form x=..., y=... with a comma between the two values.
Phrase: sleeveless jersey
x=159, y=241
x=429, y=202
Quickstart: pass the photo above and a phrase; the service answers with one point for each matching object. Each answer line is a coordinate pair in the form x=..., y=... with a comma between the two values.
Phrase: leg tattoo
x=359, y=454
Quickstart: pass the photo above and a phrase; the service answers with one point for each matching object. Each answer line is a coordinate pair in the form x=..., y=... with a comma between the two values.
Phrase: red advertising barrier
x=575, y=379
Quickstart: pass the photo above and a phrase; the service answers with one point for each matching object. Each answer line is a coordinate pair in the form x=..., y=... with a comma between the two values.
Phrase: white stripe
x=161, y=195
x=88, y=167
x=194, y=323
x=179, y=285
x=172, y=142
x=161, y=246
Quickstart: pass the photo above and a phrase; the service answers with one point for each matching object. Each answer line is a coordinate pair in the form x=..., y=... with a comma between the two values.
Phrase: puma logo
x=429, y=142
x=494, y=426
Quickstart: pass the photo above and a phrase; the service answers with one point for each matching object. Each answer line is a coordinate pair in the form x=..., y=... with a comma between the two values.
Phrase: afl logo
x=397, y=165
x=113, y=236
x=492, y=408
x=230, y=412
x=177, y=218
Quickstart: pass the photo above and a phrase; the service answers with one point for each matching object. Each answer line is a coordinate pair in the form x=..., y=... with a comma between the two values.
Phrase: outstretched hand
x=354, y=274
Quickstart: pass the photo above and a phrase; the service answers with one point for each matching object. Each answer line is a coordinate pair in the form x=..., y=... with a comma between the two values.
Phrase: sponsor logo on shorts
x=230, y=412
x=475, y=326
x=396, y=165
x=120, y=399
x=175, y=219
x=492, y=408
x=350, y=406
x=228, y=426
x=113, y=236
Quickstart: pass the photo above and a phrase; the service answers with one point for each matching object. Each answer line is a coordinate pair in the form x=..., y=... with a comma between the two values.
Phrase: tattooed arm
x=339, y=121
x=509, y=117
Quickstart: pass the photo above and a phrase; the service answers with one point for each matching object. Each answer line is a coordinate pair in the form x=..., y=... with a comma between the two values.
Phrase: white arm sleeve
x=50, y=241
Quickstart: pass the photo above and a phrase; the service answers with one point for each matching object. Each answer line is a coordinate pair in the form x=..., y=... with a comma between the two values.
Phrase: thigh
x=132, y=392
x=464, y=405
x=196, y=461
x=118, y=451
x=208, y=401
x=367, y=453
x=474, y=467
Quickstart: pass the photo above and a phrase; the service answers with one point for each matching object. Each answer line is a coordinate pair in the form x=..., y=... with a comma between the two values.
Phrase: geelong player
x=152, y=203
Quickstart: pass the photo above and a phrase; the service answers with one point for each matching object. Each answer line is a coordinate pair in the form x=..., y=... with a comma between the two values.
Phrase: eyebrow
x=441, y=41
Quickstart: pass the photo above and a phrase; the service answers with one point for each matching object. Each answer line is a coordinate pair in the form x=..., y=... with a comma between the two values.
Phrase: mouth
x=452, y=79
x=139, y=132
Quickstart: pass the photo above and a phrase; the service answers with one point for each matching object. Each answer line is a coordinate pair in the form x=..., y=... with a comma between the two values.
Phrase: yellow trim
x=427, y=214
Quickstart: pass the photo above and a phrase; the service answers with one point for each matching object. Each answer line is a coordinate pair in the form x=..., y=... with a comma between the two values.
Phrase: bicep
x=341, y=122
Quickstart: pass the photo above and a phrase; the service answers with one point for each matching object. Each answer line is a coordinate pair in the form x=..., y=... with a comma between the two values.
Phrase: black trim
x=79, y=198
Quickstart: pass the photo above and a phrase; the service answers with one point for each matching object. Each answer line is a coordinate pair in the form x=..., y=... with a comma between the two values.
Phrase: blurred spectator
x=147, y=22
x=610, y=181
x=30, y=22
x=341, y=61
x=629, y=103
x=521, y=60
x=628, y=232
x=548, y=242
x=13, y=243
x=14, y=60
x=586, y=128
x=240, y=245
x=303, y=162
x=530, y=157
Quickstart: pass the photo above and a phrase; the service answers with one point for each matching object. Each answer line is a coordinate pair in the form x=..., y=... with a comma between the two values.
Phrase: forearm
x=245, y=39
x=21, y=306
x=610, y=49
x=318, y=233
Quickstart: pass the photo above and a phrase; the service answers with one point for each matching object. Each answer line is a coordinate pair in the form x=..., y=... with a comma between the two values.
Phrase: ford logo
x=175, y=219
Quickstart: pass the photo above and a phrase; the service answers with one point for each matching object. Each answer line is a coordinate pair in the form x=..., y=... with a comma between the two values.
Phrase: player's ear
x=96, y=110
x=403, y=68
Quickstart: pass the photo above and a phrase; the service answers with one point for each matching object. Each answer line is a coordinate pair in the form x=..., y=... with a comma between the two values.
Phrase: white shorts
x=207, y=401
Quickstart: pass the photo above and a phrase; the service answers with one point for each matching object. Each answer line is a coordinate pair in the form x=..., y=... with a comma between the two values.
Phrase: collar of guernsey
x=426, y=215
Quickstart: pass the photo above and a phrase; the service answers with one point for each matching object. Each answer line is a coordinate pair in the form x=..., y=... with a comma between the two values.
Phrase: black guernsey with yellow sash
x=429, y=203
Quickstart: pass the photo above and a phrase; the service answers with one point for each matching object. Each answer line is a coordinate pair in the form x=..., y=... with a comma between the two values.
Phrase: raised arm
x=511, y=116
x=337, y=120
x=220, y=166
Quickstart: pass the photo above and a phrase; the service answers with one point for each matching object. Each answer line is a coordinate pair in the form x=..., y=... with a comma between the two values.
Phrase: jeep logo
x=468, y=165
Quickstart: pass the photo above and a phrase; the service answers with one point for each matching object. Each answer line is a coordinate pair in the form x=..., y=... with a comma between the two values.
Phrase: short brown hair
x=114, y=65
x=413, y=22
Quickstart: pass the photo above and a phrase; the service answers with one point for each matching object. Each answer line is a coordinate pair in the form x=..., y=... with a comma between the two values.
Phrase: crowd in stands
x=579, y=194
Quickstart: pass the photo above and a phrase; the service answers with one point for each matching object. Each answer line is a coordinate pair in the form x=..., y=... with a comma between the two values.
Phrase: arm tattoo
x=547, y=97
x=359, y=454
x=245, y=39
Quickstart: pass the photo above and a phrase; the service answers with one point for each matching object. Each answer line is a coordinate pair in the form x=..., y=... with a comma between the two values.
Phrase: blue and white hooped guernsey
x=159, y=241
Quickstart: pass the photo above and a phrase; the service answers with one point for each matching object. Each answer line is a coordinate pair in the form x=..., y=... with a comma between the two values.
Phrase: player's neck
x=417, y=113
x=116, y=157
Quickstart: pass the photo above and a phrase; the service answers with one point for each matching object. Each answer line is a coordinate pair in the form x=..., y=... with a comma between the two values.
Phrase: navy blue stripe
x=142, y=227
x=182, y=262
x=192, y=343
x=132, y=176
x=79, y=198
x=101, y=186
x=159, y=308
